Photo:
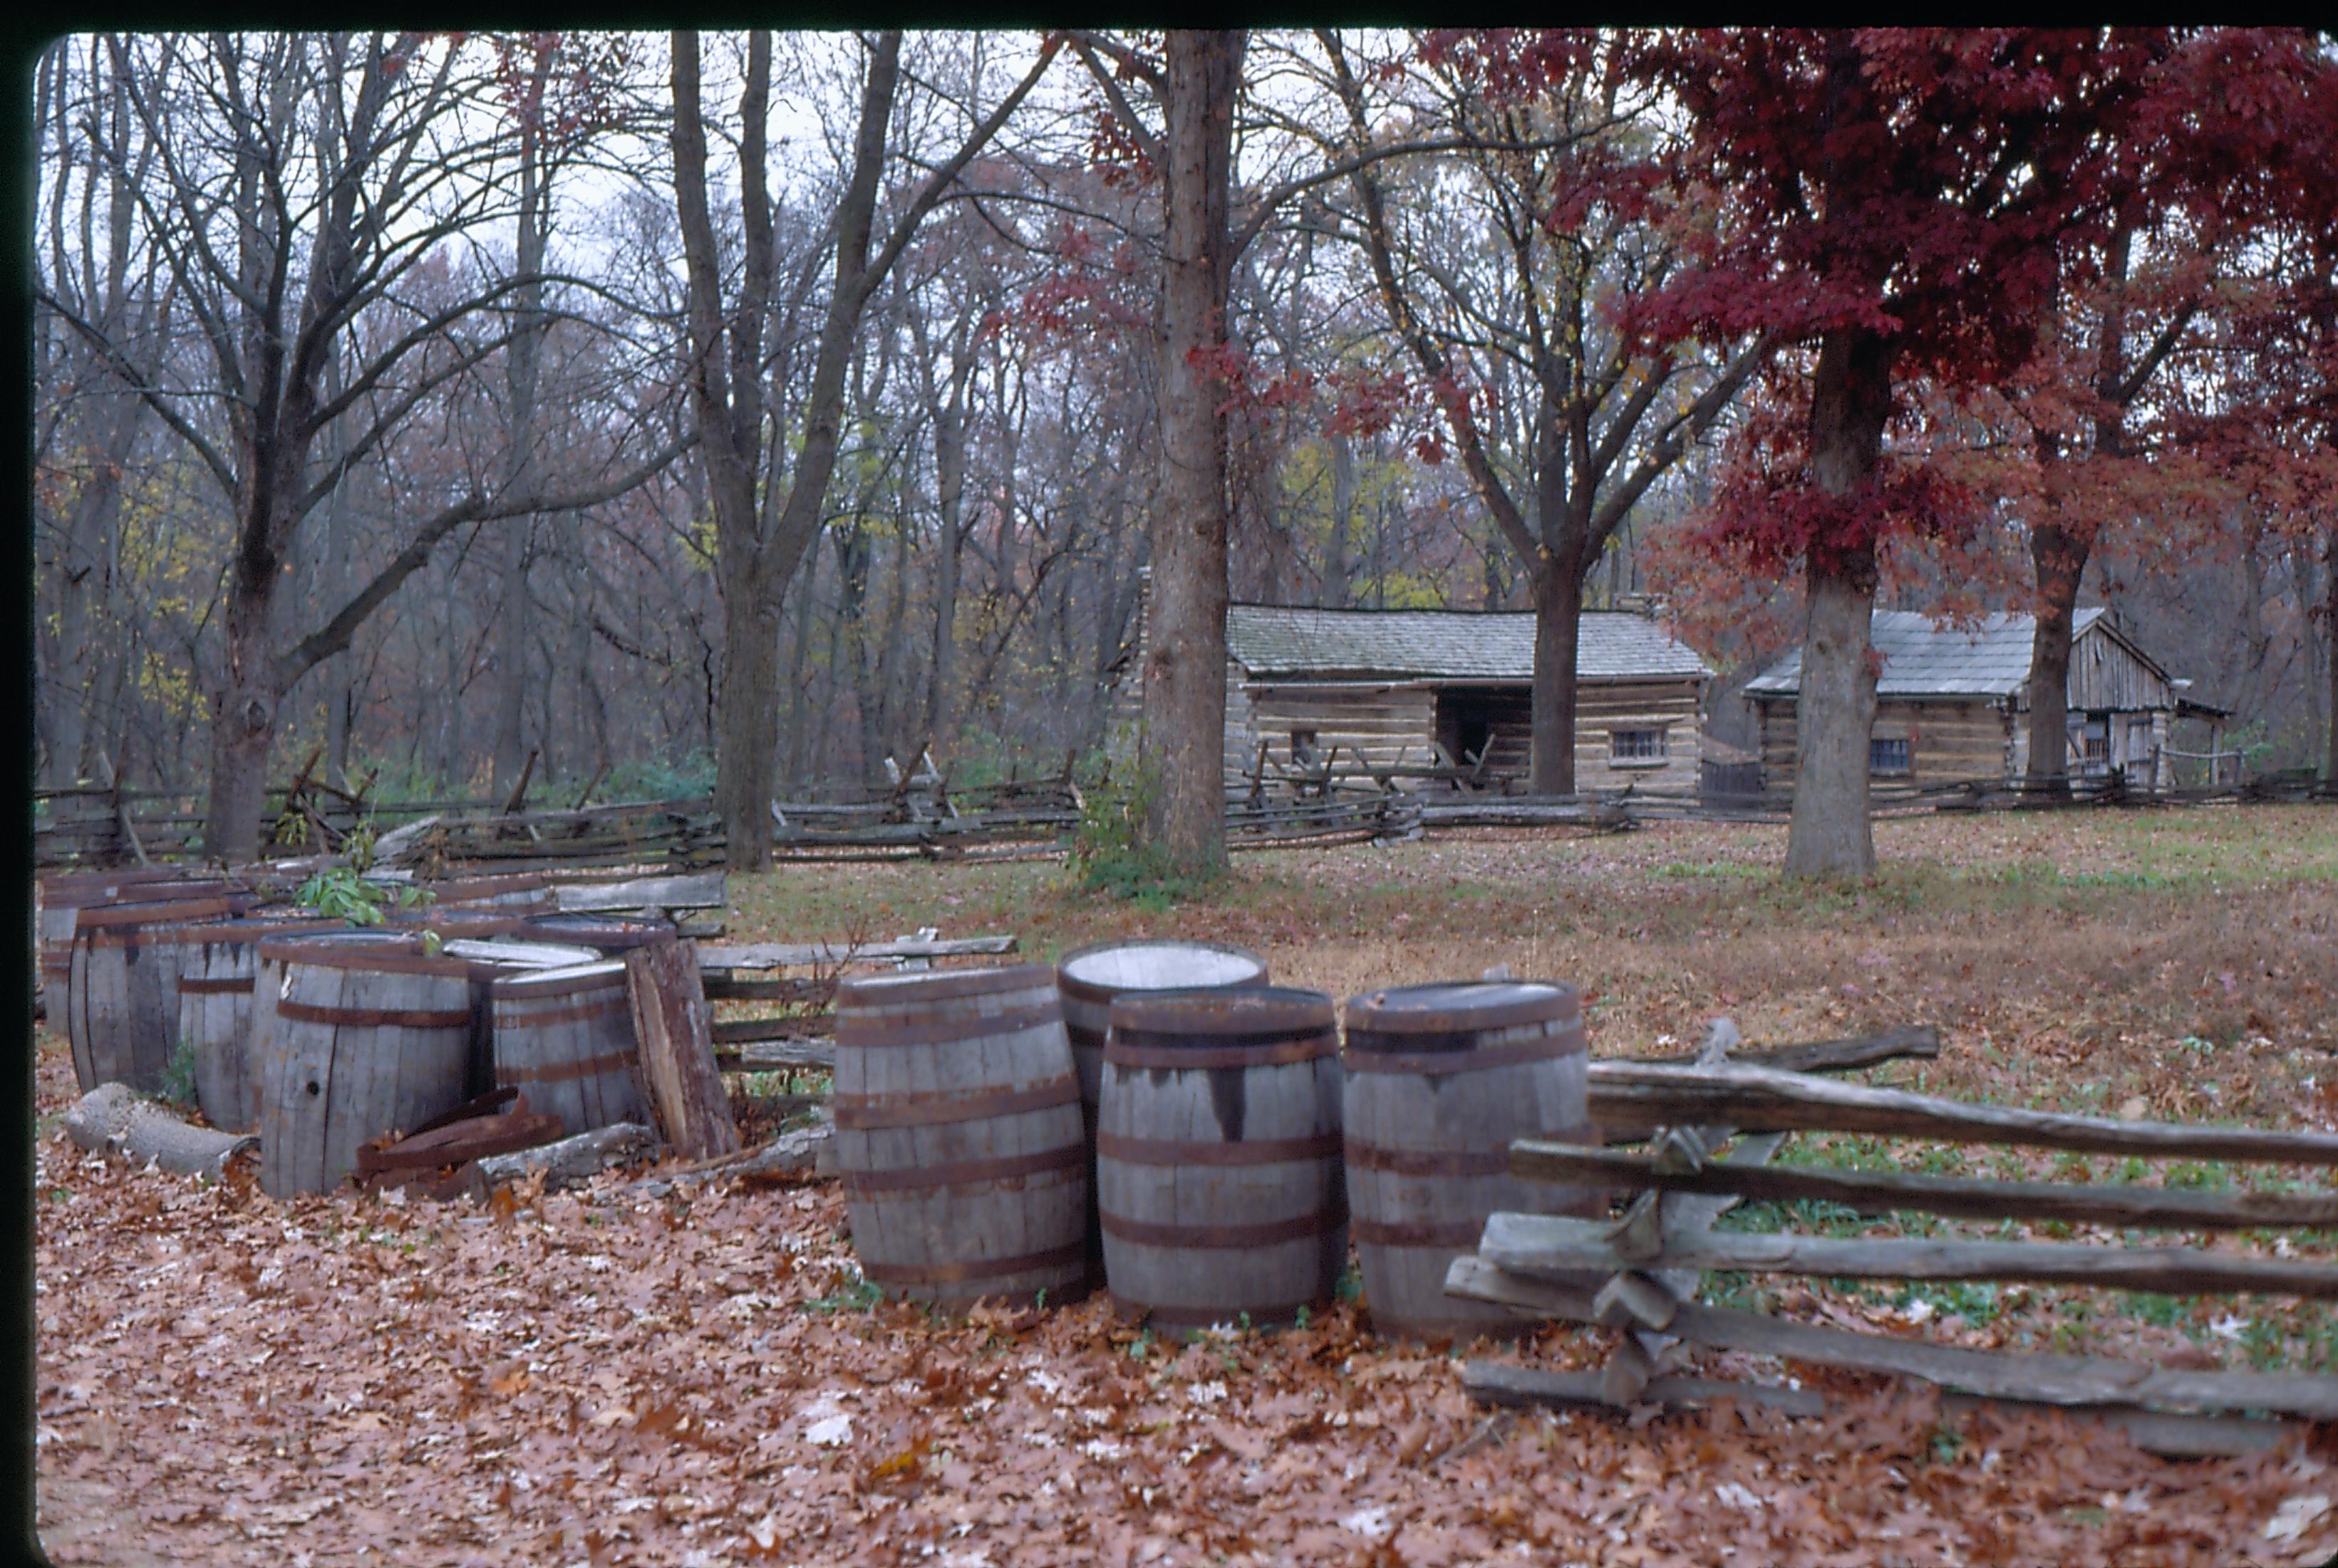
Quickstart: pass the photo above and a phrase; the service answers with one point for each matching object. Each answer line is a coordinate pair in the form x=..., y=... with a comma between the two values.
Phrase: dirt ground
x=596, y=1377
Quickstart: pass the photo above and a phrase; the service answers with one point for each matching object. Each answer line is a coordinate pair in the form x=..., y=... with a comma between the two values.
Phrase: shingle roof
x=1272, y=640
x=1924, y=658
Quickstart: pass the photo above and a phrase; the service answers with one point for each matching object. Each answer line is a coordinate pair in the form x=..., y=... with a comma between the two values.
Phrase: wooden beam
x=780, y=955
x=779, y=1056
x=1817, y=1056
x=2171, y=1435
x=2045, y=1380
x=707, y=891
x=1956, y=1197
x=1544, y=1246
x=1631, y=1094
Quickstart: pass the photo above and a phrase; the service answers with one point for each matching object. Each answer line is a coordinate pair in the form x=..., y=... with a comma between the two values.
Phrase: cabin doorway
x=1494, y=724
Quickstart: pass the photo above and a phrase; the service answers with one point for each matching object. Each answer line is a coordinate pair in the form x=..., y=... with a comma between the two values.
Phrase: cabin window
x=1303, y=745
x=1636, y=748
x=1888, y=757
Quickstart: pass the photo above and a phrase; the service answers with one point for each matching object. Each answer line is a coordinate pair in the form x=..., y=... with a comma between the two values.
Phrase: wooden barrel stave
x=958, y=1135
x=1221, y=1185
x=216, y=979
x=1427, y=1143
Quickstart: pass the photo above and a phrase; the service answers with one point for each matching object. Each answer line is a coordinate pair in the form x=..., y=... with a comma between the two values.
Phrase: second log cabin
x=1952, y=702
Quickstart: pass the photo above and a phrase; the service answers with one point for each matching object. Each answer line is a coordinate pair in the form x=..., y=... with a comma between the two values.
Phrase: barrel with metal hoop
x=1092, y=977
x=957, y=1134
x=122, y=1003
x=1440, y=1080
x=564, y=1038
x=216, y=974
x=64, y=894
x=369, y=1034
x=492, y=959
x=1218, y=1156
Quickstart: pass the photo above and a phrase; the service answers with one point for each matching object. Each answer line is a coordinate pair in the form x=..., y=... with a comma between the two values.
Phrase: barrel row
x=1228, y=1153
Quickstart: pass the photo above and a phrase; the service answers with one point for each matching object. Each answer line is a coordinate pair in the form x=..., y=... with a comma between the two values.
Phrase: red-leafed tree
x=1901, y=200
x=2221, y=172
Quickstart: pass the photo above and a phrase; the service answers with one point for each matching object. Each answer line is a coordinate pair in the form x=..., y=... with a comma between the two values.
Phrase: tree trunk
x=950, y=469
x=1559, y=621
x=2330, y=643
x=1830, y=836
x=243, y=724
x=750, y=713
x=1185, y=653
x=1343, y=512
x=2061, y=554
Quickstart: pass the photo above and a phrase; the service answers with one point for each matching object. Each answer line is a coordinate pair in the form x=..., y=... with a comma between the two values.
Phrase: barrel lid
x=612, y=932
x=175, y=912
x=375, y=950
x=553, y=981
x=1205, y=1015
x=1101, y=972
x=1454, y=1006
x=935, y=985
x=502, y=956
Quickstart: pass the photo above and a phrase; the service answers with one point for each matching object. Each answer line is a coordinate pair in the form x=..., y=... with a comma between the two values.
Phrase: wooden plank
x=2169, y=1434
x=803, y=1027
x=780, y=1056
x=781, y=954
x=1955, y=1197
x=1545, y=1245
x=1818, y=1055
x=704, y=891
x=2041, y=1378
x=721, y=988
x=670, y=1024
x=1633, y=1095
x=1492, y=1383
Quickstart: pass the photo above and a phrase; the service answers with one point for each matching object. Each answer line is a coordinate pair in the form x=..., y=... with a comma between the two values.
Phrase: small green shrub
x=1113, y=849
x=341, y=894
x=178, y=1074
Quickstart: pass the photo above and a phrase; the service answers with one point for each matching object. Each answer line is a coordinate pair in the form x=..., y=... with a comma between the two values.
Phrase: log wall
x=1948, y=740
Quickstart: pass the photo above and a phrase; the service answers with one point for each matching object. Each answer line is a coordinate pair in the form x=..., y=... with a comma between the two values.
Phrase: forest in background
x=403, y=328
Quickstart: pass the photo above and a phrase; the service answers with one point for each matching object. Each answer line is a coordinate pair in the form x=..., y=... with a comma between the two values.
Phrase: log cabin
x=1420, y=687
x=1952, y=702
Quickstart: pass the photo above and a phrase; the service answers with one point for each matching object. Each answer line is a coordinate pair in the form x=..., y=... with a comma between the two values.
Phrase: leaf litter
x=596, y=1377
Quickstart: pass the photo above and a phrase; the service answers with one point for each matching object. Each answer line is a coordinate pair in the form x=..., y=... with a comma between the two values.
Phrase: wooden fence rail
x=1651, y=1260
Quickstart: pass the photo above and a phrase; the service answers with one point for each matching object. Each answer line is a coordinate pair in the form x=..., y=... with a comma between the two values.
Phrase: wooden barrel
x=64, y=896
x=369, y=1036
x=607, y=933
x=1440, y=1079
x=122, y=1003
x=1218, y=1156
x=957, y=1134
x=268, y=990
x=564, y=1038
x=216, y=972
x=490, y=960
x=1092, y=977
